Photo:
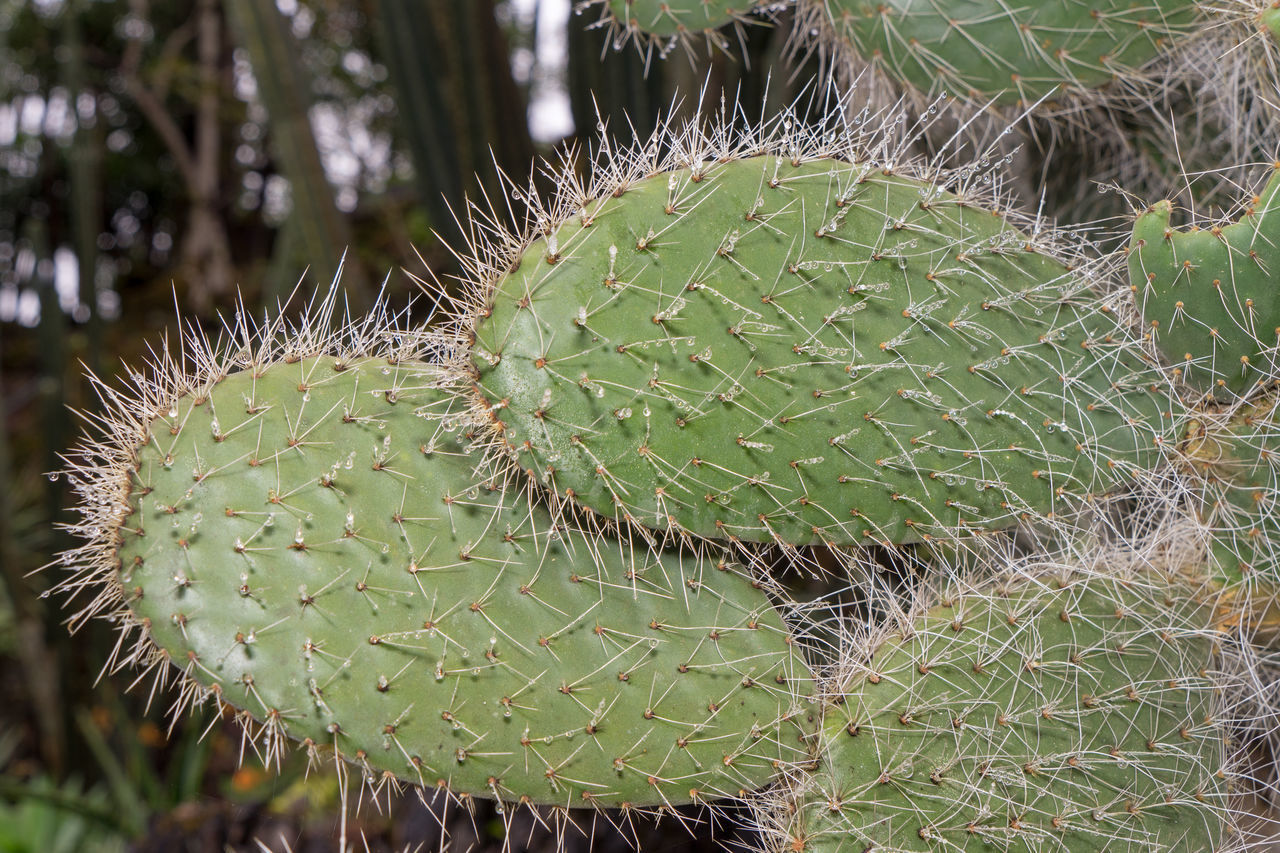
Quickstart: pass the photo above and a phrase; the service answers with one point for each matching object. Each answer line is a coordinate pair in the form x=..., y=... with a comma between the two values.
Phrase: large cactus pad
x=1210, y=294
x=304, y=544
x=809, y=352
x=1073, y=718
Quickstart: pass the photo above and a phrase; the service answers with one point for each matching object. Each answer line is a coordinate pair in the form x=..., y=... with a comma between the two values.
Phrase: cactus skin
x=666, y=18
x=1237, y=458
x=1007, y=53
x=1209, y=295
x=809, y=352
x=1072, y=718
x=1269, y=21
x=303, y=546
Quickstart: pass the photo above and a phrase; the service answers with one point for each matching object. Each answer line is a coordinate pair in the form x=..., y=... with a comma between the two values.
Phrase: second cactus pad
x=1009, y=52
x=1210, y=294
x=1073, y=717
x=810, y=352
x=676, y=17
x=302, y=543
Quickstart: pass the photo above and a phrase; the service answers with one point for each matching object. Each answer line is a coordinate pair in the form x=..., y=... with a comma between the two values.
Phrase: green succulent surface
x=1008, y=52
x=1239, y=460
x=309, y=547
x=1074, y=718
x=677, y=17
x=1210, y=294
x=811, y=352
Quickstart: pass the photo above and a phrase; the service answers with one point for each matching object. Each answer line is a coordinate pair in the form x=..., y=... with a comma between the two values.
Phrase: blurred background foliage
x=162, y=158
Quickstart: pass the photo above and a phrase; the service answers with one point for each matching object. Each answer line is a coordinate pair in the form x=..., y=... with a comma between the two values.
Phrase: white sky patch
x=66, y=278
x=550, y=115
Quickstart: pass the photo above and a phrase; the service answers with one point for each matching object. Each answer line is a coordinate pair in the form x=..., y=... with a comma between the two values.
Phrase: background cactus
x=1003, y=53
x=1233, y=457
x=666, y=24
x=1208, y=295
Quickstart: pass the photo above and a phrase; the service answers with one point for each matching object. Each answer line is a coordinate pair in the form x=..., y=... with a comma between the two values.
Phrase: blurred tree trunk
x=85, y=178
x=205, y=250
x=463, y=115
x=285, y=88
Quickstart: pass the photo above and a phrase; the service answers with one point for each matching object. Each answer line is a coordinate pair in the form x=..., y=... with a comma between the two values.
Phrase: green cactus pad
x=1009, y=53
x=1073, y=718
x=1269, y=20
x=304, y=544
x=1210, y=294
x=810, y=352
x=665, y=18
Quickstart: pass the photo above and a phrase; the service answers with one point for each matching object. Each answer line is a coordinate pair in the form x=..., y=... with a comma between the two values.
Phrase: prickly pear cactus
x=1209, y=294
x=1237, y=457
x=1009, y=53
x=305, y=546
x=660, y=26
x=1067, y=715
x=676, y=17
x=806, y=350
